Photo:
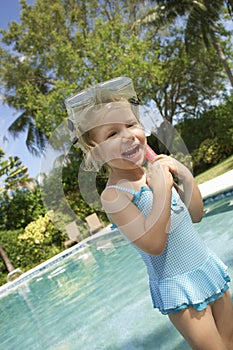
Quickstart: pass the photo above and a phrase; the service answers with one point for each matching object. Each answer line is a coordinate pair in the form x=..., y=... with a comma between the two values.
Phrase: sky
x=10, y=11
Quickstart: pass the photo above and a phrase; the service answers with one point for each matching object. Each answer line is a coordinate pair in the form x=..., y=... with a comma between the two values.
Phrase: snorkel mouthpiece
x=150, y=153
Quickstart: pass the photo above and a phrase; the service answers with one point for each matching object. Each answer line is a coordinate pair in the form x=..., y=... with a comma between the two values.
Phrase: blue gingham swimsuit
x=186, y=273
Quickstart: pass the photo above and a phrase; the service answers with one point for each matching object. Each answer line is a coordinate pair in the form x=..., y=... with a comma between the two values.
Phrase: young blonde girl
x=188, y=282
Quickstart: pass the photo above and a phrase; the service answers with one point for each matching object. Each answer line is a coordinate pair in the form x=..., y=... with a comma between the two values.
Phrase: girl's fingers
x=173, y=165
x=170, y=162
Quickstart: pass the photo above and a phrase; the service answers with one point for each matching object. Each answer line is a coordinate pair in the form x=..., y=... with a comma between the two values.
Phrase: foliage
x=216, y=122
x=19, y=209
x=19, y=202
x=74, y=178
x=203, y=25
x=25, y=250
x=209, y=152
x=62, y=46
x=219, y=169
x=9, y=240
x=12, y=173
x=62, y=192
x=40, y=231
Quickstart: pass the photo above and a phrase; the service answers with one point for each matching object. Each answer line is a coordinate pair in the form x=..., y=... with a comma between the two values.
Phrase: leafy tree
x=209, y=136
x=20, y=197
x=23, y=248
x=203, y=24
x=63, y=197
x=9, y=240
x=52, y=56
x=18, y=210
x=6, y=260
x=12, y=173
x=179, y=86
x=62, y=46
x=41, y=231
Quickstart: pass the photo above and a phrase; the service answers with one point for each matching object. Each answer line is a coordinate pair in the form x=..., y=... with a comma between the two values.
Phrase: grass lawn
x=217, y=170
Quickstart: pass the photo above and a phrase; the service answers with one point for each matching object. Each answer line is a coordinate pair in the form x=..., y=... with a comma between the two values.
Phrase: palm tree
x=6, y=260
x=35, y=140
x=203, y=23
x=12, y=173
x=12, y=272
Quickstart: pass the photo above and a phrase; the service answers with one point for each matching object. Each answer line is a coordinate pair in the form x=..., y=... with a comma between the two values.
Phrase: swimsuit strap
x=129, y=190
x=136, y=194
x=125, y=189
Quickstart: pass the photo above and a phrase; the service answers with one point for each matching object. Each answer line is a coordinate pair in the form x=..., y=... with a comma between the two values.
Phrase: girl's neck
x=136, y=175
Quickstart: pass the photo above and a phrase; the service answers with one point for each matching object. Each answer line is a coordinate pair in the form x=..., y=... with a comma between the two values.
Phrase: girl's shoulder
x=109, y=193
x=121, y=197
x=112, y=192
x=115, y=198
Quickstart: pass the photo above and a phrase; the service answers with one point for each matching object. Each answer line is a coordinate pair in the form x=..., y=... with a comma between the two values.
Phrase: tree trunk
x=6, y=260
x=221, y=56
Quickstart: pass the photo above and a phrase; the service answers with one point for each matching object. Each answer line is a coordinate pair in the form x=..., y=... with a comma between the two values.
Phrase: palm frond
x=229, y=4
x=35, y=140
x=20, y=124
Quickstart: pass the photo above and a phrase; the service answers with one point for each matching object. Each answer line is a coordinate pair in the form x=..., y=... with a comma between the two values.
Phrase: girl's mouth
x=131, y=151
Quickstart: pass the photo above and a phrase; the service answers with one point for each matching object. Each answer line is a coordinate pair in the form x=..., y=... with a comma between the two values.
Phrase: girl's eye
x=111, y=134
x=129, y=125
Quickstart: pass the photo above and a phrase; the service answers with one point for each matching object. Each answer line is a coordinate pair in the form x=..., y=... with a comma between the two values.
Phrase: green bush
x=41, y=239
x=210, y=153
x=9, y=242
x=27, y=248
x=20, y=207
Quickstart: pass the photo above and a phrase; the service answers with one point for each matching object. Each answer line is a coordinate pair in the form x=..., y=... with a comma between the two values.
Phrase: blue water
x=98, y=298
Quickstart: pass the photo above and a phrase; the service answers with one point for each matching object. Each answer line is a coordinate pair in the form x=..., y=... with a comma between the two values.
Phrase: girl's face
x=120, y=141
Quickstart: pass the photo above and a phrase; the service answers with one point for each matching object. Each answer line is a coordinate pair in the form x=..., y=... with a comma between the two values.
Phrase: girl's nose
x=127, y=134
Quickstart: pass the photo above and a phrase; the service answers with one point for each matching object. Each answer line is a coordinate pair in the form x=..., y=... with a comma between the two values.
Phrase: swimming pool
x=97, y=297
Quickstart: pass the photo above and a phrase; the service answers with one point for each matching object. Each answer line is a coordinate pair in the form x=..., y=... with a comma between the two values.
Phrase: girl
x=188, y=282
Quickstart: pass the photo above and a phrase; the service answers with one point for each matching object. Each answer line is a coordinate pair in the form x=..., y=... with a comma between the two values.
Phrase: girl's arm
x=192, y=198
x=190, y=194
x=148, y=233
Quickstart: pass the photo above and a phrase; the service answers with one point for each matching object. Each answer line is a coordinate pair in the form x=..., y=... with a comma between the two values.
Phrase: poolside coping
x=219, y=184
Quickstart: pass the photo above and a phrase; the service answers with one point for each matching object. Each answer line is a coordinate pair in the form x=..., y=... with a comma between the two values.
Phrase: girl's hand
x=174, y=166
x=190, y=194
x=159, y=176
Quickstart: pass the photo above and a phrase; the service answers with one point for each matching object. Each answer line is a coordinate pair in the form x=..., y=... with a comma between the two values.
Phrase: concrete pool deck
x=219, y=184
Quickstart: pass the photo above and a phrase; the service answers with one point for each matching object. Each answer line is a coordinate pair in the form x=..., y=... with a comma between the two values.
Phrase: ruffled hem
x=197, y=288
x=200, y=306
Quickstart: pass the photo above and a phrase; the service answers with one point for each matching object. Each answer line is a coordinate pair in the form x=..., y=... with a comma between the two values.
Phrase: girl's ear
x=93, y=159
x=87, y=140
x=92, y=143
x=95, y=152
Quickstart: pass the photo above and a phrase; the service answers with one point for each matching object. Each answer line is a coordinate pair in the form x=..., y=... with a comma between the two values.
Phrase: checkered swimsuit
x=187, y=273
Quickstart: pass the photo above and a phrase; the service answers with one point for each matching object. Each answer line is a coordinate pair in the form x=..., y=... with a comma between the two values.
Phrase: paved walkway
x=217, y=185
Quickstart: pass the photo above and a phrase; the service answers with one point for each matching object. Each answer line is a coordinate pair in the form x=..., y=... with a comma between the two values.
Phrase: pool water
x=98, y=298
